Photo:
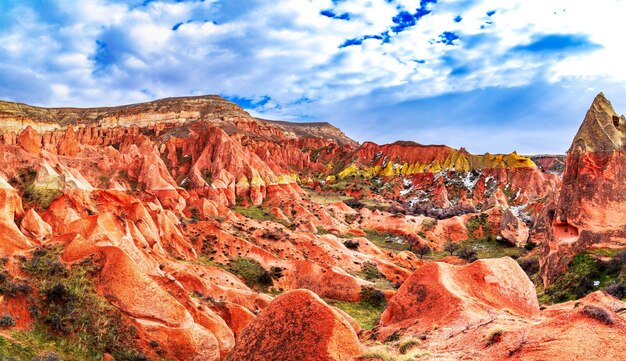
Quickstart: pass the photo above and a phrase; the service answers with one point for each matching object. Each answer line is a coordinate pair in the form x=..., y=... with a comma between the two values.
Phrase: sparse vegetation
x=258, y=213
x=207, y=175
x=468, y=254
x=351, y=244
x=428, y=224
x=408, y=344
x=451, y=247
x=388, y=241
x=587, y=273
x=421, y=249
x=70, y=312
x=364, y=313
x=272, y=234
x=373, y=296
x=406, y=349
x=493, y=336
x=486, y=248
x=35, y=196
x=370, y=272
x=599, y=313
x=476, y=223
x=252, y=273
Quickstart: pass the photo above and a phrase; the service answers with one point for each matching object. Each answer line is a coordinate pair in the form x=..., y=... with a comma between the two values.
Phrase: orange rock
x=447, y=295
x=323, y=280
x=298, y=325
x=34, y=227
x=69, y=143
x=590, y=209
x=29, y=140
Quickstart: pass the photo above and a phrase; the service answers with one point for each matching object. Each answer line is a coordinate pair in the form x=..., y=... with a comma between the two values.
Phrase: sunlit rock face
x=589, y=211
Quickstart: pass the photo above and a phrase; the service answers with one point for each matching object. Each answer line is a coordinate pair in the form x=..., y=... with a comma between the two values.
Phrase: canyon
x=187, y=229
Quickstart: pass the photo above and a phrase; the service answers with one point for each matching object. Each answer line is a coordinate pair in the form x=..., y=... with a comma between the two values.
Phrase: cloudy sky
x=492, y=76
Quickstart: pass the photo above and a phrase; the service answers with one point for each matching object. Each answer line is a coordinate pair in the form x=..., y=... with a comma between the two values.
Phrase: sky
x=490, y=76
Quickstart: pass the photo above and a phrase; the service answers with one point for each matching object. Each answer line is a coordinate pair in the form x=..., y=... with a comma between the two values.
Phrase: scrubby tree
x=468, y=254
x=451, y=247
x=422, y=249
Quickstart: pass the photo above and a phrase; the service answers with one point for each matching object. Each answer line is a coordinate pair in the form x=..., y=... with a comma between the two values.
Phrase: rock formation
x=589, y=211
x=455, y=296
x=186, y=229
x=298, y=326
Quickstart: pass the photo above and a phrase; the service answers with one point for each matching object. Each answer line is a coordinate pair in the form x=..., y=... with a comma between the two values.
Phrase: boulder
x=298, y=325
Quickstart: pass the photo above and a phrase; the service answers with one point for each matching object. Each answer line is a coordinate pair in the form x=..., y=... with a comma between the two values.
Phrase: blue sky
x=491, y=76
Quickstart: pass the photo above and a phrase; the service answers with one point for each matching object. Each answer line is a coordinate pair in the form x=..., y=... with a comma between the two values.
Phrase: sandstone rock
x=452, y=296
x=33, y=226
x=590, y=210
x=29, y=140
x=298, y=325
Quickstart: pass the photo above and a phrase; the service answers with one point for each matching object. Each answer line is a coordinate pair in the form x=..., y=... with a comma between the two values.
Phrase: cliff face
x=589, y=211
x=203, y=143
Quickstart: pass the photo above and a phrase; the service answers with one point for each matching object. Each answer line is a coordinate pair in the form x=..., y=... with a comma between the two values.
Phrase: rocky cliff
x=589, y=212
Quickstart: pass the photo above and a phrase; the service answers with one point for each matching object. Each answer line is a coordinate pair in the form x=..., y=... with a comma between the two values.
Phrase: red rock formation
x=29, y=140
x=149, y=192
x=568, y=331
x=590, y=209
x=298, y=325
x=452, y=296
x=34, y=227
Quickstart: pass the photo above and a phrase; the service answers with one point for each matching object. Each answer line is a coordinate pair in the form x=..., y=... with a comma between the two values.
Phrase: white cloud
x=287, y=50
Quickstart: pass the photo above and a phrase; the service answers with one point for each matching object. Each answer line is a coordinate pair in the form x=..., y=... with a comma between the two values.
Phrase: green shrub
x=69, y=309
x=476, y=222
x=370, y=272
x=451, y=247
x=599, y=314
x=251, y=271
x=7, y=321
x=351, y=244
x=468, y=254
x=207, y=175
x=428, y=224
x=373, y=296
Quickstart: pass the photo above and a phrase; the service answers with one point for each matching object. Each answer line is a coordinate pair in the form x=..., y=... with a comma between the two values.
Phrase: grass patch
x=364, y=313
x=585, y=275
x=386, y=353
x=252, y=273
x=486, y=248
x=370, y=272
x=28, y=345
x=388, y=241
x=37, y=197
x=258, y=213
x=375, y=205
x=325, y=198
x=207, y=261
